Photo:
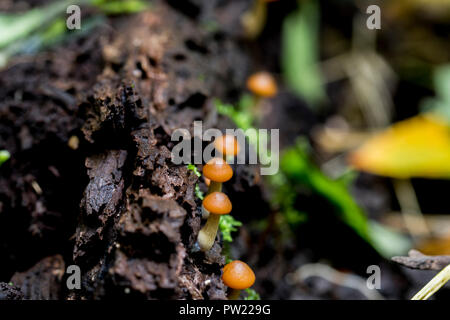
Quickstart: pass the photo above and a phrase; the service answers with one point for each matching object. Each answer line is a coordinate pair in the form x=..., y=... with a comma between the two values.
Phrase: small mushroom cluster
x=216, y=203
x=237, y=275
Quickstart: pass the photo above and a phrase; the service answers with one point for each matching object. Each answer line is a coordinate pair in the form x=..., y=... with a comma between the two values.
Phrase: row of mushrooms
x=237, y=275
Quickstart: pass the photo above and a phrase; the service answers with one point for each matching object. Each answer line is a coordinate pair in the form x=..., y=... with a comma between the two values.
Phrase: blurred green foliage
x=251, y=294
x=193, y=168
x=45, y=26
x=300, y=52
x=297, y=170
x=440, y=104
x=283, y=197
x=227, y=225
x=241, y=115
x=120, y=6
x=198, y=193
x=17, y=26
x=4, y=156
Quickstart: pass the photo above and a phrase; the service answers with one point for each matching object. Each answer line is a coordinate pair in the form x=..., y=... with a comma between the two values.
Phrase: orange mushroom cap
x=238, y=275
x=227, y=145
x=217, y=203
x=217, y=170
x=263, y=84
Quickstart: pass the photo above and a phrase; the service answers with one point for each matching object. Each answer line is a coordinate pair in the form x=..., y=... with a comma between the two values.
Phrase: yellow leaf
x=416, y=147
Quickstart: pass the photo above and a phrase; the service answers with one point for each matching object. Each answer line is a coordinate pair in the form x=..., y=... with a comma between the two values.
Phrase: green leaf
x=4, y=156
x=294, y=217
x=45, y=26
x=242, y=118
x=300, y=52
x=114, y=7
x=193, y=168
x=297, y=167
x=198, y=192
x=14, y=27
x=251, y=294
x=227, y=225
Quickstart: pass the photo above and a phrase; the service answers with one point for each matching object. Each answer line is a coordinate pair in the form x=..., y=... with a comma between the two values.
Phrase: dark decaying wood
x=121, y=92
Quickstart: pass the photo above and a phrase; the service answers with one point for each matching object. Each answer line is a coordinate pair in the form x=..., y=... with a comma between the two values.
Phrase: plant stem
x=434, y=285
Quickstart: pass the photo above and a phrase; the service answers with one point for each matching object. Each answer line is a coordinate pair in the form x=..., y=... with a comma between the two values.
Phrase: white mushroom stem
x=208, y=233
x=213, y=187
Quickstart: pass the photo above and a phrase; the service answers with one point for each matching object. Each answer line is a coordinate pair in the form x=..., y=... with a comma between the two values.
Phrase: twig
x=417, y=260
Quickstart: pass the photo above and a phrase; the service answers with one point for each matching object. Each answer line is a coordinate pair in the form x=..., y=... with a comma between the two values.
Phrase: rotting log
x=112, y=203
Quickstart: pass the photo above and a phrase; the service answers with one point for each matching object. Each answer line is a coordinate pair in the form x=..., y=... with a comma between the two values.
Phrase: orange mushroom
x=262, y=84
x=227, y=145
x=217, y=203
x=216, y=171
x=238, y=276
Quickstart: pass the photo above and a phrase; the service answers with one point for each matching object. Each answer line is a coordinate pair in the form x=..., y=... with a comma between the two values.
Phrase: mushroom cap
x=217, y=203
x=263, y=84
x=217, y=170
x=227, y=145
x=238, y=275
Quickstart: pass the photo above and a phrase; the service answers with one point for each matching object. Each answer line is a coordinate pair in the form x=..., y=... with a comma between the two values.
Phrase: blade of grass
x=300, y=52
x=434, y=285
x=14, y=27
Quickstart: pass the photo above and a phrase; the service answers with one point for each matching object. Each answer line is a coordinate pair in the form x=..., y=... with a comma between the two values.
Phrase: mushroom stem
x=256, y=108
x=234, y=294
x=213, y=187
x=207, y=234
